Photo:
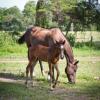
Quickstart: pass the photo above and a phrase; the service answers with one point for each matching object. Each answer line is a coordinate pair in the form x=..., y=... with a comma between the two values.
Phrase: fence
x=86, y=36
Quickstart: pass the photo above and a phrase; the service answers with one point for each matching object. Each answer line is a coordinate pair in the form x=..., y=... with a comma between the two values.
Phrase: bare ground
x=25, y=60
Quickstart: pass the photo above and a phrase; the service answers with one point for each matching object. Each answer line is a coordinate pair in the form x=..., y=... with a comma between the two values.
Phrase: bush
x=6, y=39
x=71, y=39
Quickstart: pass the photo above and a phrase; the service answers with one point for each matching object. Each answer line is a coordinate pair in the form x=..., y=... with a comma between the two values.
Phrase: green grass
x=21, y=50
x=13, y=50
x=86, y=87
x=86, y=51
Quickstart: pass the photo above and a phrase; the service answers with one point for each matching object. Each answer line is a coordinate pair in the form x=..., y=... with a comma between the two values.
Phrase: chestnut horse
x=26, y=38
x=47, y=54
x=47, y=37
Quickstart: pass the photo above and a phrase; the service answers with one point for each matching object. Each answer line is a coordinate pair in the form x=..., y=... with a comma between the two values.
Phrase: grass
x=13, y=50
x=86, y=51
x=21, y=50
x=86, y=87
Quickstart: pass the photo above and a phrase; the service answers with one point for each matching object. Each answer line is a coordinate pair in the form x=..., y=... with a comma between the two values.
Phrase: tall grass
x=9, y=45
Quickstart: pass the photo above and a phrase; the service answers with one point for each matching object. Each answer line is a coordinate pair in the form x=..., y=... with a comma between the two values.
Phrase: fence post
x=91, y=41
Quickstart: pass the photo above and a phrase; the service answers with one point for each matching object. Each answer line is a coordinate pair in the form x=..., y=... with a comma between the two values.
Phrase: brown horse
x=47, y=37
x=47, y=54
x=26, y=38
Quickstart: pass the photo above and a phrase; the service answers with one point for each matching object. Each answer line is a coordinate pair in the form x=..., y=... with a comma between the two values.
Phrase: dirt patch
x=61, y=92
x=24, y=60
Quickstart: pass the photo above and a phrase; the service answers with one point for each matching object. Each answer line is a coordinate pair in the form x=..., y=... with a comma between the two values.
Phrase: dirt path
x=25, y=60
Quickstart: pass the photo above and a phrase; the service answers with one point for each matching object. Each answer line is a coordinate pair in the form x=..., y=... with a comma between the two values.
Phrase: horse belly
x=55, y=60
x=42, y=55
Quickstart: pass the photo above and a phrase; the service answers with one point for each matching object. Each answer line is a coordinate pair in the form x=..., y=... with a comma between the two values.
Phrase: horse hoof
x=51, y=88
x=25, y=82
x=43, y=73
x=54, y=86
x=48, y=78
x=71, y=82
x=32, y=85
x=26, y=85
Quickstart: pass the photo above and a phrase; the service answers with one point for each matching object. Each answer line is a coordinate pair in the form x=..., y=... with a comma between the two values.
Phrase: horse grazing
x=47, y=54
x=47, y=37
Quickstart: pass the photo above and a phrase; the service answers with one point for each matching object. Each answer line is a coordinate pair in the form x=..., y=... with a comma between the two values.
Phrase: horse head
x=71, y=71
x=60, y=46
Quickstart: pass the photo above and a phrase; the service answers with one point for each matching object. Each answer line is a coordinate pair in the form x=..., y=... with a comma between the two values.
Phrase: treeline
x=51, y=13
x=12, y=19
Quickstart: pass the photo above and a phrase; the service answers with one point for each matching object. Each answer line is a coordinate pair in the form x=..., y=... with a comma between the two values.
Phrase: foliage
x=71, y=39
x=29, y=13
x=6, y=39
x=11, y=19
x=86, y=16
x=43, y=13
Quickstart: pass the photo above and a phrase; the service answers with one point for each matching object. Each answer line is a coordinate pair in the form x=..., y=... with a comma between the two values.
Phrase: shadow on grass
x=88, y=90
x=12, y=76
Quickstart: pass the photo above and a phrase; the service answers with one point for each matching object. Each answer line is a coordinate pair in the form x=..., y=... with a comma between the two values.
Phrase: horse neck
x=68, y=53
x=55, y=50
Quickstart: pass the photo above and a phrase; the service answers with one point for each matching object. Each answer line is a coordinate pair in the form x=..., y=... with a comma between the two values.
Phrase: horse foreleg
x=57, y=70
x=53, y=78
x=51, y=75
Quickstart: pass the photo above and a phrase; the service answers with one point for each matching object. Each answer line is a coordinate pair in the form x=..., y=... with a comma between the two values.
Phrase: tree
x=43, y=13
x=29, y=13
x=61, y=11
x=1, y=17
x=11, y=17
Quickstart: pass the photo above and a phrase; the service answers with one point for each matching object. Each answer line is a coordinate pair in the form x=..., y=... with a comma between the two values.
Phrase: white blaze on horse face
x=62, y=47
x=62, y=51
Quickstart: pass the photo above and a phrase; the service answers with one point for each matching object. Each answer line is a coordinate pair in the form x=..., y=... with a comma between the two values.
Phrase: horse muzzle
x=61, y=56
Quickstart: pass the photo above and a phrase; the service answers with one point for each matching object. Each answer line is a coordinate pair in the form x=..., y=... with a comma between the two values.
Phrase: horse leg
x=41, y=67
x=57, y=70
x=27, y=71
x=32, y=70
x=51, y=75
x=53, y=78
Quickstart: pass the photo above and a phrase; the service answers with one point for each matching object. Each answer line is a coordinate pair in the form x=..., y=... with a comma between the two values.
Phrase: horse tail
x=21, y=40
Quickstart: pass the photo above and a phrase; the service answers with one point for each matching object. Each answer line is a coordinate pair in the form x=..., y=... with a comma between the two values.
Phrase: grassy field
x=21, y=50
x=12, y=76
x=86, y=88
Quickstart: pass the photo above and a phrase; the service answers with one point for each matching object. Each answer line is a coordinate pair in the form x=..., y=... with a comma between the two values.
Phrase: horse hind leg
x=41, y=67
x=31, y=72
x=27, y=72
x=51, y=76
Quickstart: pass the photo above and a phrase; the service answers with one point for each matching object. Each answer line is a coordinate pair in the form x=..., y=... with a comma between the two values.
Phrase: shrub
x=6, y=39
x=71, y=39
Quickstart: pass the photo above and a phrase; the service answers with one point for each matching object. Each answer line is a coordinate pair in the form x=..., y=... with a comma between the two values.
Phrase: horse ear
x=77, y=61
x=64, y=42
x=56, y=42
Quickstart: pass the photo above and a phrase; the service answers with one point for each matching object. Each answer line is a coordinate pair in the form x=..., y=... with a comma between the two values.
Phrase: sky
x=19, y=3
x=9, y=3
